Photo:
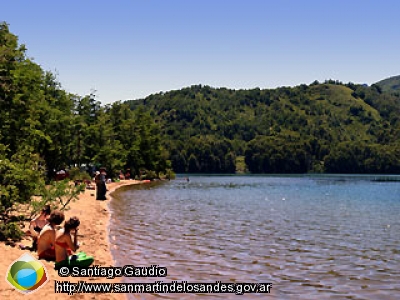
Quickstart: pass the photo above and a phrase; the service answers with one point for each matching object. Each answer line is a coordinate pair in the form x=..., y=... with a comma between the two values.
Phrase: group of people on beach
x=55, y=243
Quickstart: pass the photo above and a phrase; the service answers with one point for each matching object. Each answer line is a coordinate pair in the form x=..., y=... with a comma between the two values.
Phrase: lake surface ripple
x=311, y=237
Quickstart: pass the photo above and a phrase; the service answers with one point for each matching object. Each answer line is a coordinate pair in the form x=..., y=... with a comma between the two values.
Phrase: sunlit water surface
x=311, y=237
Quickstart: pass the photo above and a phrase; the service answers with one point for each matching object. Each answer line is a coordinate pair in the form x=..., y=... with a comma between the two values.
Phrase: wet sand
x=93, y=238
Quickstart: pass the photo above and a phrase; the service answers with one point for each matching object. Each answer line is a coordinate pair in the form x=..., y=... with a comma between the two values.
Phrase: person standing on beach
x=101, y=184
x=98, y=184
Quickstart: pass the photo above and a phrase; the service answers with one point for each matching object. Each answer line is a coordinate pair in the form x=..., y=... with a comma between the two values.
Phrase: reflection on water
x=312, y=238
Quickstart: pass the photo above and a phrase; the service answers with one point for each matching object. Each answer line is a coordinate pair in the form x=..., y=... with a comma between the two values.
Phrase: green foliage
x=20, y=177
x=78, y=174
x=169, y=174
x=59, y=194
x=11, y=230
x=240, y=165
x=148, y=175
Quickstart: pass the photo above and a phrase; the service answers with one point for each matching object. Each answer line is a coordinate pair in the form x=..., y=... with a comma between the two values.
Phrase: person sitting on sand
x=47, y=237
x=65, y=245
x=36, y=225
x=89, y=185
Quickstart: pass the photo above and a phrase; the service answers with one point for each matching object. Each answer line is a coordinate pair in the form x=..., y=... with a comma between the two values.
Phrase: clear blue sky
x=131, y=49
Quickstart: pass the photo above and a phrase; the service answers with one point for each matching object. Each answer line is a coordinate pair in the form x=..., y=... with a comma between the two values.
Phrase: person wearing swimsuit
x=66, y=243
x=35, y=226
x=47, y=237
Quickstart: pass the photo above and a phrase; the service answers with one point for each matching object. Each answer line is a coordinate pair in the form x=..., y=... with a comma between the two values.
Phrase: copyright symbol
x=63, y=272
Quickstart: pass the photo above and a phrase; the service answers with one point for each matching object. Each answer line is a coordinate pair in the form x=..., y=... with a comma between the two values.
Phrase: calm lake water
x=329, y=237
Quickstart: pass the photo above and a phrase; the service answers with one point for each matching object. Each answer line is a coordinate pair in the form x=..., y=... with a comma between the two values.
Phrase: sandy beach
x=93, y=239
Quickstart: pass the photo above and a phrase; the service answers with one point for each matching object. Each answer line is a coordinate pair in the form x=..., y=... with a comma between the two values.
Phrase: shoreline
x=94, y=239
x=111, y=190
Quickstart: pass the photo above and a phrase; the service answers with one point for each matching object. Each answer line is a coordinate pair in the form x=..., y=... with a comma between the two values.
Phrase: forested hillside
x=321, y=127
x=391, y=84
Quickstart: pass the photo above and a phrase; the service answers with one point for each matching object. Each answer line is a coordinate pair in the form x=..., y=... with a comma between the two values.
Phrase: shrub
x=78, y=174
x=11, y=231
x=149, y=175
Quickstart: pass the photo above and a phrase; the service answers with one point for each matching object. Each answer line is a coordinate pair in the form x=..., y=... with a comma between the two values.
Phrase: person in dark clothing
x=101, y=184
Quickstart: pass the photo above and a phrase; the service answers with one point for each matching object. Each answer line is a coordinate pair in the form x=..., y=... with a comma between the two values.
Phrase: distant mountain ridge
x=391, y=84
x=321, y=127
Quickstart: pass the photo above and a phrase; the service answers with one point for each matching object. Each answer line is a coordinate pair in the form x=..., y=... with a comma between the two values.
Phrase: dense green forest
x=322, y=127
x=44, y=129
